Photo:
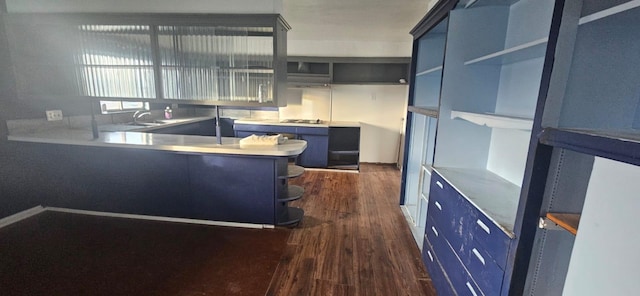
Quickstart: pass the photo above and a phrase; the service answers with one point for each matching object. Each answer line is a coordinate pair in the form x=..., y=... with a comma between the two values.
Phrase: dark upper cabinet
x=322, y=71
x=204, y=59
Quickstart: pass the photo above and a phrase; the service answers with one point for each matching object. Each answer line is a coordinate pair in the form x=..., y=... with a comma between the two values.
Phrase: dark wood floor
x=354, y=239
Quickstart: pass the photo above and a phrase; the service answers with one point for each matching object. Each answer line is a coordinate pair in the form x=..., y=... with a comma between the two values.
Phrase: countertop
x=324, y=124
x=139, y=139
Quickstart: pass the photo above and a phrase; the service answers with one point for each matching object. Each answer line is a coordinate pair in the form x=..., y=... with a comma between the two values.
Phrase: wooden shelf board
x=526, y=51
x=430, y=71
x=427, y=111
x=609, y=12
x=569, y=222
x=494, y=120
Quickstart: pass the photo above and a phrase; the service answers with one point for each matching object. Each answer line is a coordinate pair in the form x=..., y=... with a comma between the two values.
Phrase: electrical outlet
x=54, y=115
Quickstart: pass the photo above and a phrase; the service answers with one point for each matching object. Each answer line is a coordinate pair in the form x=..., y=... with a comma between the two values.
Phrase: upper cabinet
x=323, y=71
x=429, y=51
x=235, y=60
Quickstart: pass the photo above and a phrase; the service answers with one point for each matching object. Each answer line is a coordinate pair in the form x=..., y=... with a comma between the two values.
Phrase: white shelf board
x=496, y=197
x=494, y=120
x=609, y=12
x=530, y=50
x=429, y=71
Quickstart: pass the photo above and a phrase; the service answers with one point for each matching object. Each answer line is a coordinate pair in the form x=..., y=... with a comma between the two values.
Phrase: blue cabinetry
x=471, y=247
x=538, y=129
x=316, y=154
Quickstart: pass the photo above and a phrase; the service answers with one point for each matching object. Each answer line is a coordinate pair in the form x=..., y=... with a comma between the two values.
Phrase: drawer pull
x=434, y=231
x=438, y=205
x=430, y=256
x=475, y=252
x=483, y=226
x=471, y=289
x=439, y=184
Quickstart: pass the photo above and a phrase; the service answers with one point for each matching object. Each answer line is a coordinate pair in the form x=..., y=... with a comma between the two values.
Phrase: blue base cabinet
x=471, y=247
x=316, y=154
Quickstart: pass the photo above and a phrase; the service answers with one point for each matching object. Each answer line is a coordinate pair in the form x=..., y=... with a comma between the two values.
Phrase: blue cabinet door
x=316, y=154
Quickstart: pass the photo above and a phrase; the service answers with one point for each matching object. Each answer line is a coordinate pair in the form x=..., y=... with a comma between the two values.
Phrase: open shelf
x=496, y=197
x=494, y=120
x=527, y=51
x=427, y=111
x=568, y=222
x=293, y=171
x=430, y=71
x=609, y=12
x=290, y=216
x=293, y=192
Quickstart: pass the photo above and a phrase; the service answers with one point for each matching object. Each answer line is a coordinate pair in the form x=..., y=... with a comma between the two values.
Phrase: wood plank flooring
x=354, y=239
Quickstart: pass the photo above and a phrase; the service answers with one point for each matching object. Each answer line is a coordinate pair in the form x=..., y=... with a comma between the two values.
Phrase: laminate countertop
x=140, y=139
x=324, y=124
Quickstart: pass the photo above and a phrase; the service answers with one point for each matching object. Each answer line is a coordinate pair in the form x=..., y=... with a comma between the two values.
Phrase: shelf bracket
x=546, y=223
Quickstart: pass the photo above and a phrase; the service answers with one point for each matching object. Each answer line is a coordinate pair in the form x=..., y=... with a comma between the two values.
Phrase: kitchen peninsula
x=143, y=173
x=331, y=144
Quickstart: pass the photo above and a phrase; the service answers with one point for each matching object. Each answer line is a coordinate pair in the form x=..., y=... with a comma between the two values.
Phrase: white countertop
x=139, y=139
x=324, y=124
x=496, y=197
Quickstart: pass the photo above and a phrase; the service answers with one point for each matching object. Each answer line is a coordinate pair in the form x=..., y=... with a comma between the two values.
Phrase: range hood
x=302, y=80
x=308, y=74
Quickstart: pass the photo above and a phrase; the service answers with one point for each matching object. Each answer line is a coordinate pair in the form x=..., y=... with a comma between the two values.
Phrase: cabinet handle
x=483, y=226
x=430, y=256
x=475, y=252
x=439, y=184
x=438, y=205
x=434, y=231
x=471, y=289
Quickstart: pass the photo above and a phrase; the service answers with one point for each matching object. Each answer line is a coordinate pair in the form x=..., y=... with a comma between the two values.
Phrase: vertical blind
x=196, y=62
x=115, y=61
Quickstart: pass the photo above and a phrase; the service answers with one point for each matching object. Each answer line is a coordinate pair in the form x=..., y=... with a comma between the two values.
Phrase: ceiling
x=354, y=21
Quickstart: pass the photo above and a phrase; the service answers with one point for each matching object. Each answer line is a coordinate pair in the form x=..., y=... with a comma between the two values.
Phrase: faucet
x=139, y=114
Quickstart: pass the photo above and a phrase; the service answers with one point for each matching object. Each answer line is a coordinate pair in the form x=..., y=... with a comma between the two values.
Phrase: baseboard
x=21, y=216
x=159, y=218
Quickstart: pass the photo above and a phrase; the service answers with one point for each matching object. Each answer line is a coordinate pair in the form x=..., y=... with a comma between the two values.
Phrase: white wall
x=605, y=255
x=353, y=48
x=194, y=6
x=307, y=103
x=380, y=109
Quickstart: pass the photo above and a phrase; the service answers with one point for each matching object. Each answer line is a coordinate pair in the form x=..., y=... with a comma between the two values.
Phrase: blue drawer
x=320, y=131
x=464, y=223
x=484, y=270
x=462, y=282
x=489, y=236
x=265, y=128
x=443, y=201
x=439, y=279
